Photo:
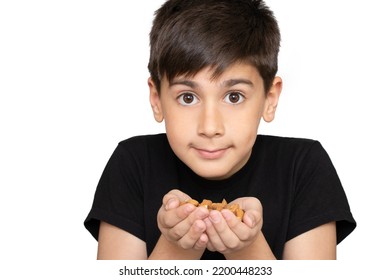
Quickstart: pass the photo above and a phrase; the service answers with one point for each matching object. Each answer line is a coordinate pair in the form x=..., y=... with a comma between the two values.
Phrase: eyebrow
x=227, y=83
x=233, y=82
x=188, y=83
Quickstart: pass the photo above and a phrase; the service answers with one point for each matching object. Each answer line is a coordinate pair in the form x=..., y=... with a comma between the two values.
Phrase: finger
x=170, y=218
x=253, y=211
x=247, y=203
x=231, y=220
x=240, y=230
x=181, y=228
x=243, y=230
x=194, y=235
x=217, y=243
x=210, y=246
x=227, y=236
x=252, y=219
x=173, y=198
x=202, y=242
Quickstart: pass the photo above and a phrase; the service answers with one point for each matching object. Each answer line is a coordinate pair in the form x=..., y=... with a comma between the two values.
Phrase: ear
x=155, y=102
x=272, y=99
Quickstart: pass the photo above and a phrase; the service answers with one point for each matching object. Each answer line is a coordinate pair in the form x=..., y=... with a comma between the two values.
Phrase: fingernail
x=208, y=222
x=251, y=220
x=170, y=204
x=228, y=215
x=202, y=214
x=215, y=216
x=200, y=227
x=189, y=208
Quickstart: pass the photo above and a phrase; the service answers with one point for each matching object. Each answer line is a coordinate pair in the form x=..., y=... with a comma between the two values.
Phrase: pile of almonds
x=208, y=204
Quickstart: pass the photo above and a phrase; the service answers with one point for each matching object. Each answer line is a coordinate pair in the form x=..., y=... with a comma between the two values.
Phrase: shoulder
x=286, y=145
x=295, y=154
x=146, y=149
x=280, y=140
x=143, y=143
x=142, y=140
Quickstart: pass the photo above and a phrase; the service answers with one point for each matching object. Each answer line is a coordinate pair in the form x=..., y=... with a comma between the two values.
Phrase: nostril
x=210, y=121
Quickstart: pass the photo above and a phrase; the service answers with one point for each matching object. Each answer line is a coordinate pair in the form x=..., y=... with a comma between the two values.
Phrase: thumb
x=173, y=198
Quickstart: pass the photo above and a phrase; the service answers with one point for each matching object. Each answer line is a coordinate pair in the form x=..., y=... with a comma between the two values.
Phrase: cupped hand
x=184, y=224
x=227, y=234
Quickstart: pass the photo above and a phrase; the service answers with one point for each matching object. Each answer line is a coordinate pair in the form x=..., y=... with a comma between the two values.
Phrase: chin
x=212, y=175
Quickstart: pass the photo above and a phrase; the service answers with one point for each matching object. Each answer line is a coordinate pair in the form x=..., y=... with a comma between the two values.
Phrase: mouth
x=211, y=154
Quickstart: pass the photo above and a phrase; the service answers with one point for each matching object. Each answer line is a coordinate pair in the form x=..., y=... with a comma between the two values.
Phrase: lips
x=211, y=154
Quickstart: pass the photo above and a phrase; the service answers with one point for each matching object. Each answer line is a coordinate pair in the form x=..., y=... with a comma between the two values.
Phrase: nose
x=210, y=123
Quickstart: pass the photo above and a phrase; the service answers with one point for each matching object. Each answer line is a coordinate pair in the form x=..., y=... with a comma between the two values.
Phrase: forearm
x=166, y=250
x=258, y=250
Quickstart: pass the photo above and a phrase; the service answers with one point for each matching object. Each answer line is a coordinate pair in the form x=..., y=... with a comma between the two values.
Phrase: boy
x=213, y=78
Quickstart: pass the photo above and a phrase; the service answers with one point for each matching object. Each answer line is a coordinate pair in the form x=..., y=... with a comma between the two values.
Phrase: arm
x=258, y=250
x=318, y=243
x=117, y=244
x=167, y=250
x=183, y=234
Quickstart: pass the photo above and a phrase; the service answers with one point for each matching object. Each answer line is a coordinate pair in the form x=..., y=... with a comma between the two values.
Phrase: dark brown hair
x=189, y=35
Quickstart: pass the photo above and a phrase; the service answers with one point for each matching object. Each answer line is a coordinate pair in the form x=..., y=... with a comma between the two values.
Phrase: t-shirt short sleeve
x=319, y=197
x=114, y=194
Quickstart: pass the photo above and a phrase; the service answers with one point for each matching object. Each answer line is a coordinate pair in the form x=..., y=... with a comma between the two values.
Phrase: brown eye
x=187, y=99
x=234, y=98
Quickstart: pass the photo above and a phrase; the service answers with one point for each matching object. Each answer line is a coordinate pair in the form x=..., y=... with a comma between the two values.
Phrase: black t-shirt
x=293, y=178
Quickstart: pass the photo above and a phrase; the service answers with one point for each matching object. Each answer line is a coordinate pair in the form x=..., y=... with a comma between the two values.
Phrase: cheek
x=245, y=124
x=179, y=128
x=177, y=121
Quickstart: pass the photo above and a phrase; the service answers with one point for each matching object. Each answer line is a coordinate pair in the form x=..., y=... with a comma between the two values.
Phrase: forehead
x=235, y=73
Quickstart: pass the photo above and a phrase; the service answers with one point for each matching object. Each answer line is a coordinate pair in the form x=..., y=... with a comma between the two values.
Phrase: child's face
x=211, y=124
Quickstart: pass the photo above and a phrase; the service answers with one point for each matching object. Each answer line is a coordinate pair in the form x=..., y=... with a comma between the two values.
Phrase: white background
x=73, y=84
